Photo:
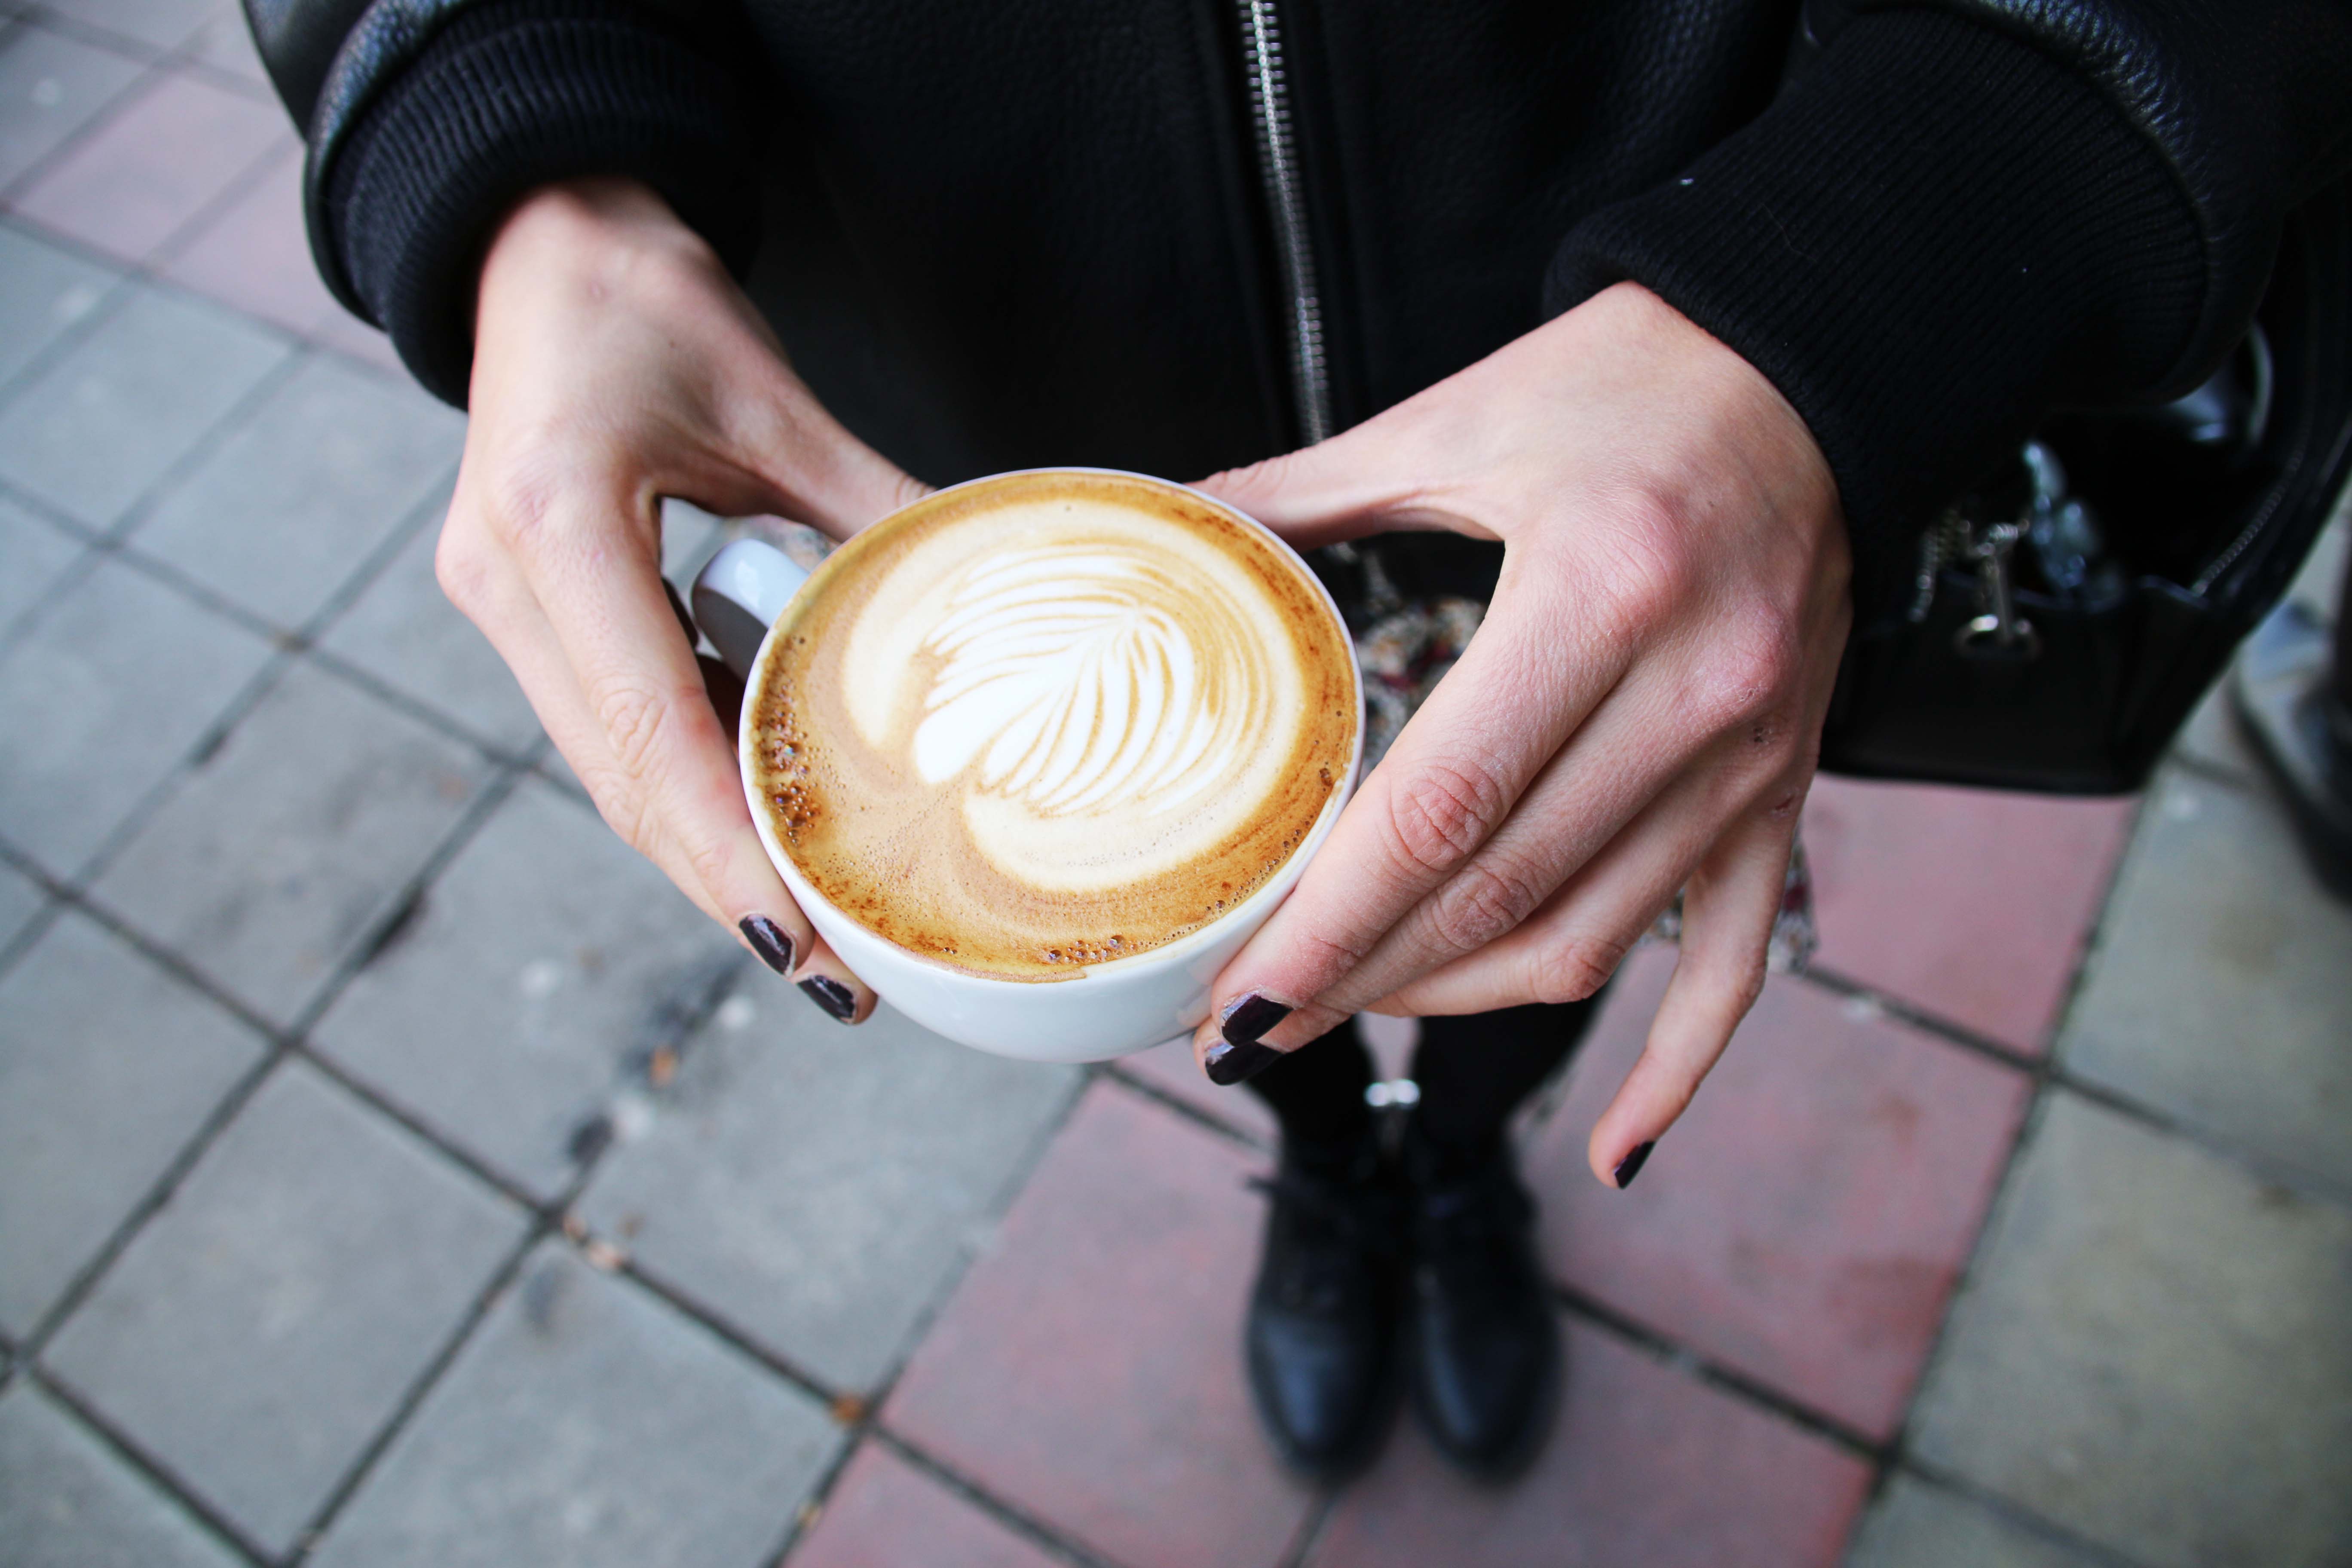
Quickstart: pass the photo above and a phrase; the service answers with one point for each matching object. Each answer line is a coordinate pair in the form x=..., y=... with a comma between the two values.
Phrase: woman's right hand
x=616, y=362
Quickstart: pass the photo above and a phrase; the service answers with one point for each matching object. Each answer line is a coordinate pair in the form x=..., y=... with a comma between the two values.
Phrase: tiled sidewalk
x=393, y=1170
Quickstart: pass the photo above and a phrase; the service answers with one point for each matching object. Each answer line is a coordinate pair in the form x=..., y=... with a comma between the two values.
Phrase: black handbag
x=2071, y=612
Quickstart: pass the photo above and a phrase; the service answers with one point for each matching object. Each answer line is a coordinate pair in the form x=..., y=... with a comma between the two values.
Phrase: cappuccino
x=1051, y=721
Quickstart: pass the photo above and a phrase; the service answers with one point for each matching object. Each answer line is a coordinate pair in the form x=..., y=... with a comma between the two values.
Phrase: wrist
x=583, y=233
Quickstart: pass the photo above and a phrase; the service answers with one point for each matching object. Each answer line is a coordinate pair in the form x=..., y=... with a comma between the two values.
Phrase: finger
x=492, y=590
x=815, y=470
x=1568, y=950
x=1600, y=793
x=1727, y=914
x=1451, y=778
x=828, y=983
x=1389, y=473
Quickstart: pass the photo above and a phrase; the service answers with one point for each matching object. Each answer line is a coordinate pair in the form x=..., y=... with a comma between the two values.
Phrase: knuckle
x=634, y=719
x=1575, y=969
x=1651, y=572
x=1483, y=902
x=1749, y=673
x=1442, y=812
x=521, y=499
x=463, y=570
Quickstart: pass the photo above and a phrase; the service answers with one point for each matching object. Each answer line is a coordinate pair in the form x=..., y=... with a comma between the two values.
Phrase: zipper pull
x=1997, y=630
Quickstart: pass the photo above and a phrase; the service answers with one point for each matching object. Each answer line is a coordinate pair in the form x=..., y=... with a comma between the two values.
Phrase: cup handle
x=738, y=596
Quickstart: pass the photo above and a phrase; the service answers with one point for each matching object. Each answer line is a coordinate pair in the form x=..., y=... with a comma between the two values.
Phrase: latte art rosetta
x=1069, y=675
x=1052, y=721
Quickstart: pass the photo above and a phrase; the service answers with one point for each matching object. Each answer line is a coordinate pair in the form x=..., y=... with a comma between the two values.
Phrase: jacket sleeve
x=427, y=118
x=1958, y=215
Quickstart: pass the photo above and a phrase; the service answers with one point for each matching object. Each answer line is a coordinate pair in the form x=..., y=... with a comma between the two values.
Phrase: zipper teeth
x=1310, y=380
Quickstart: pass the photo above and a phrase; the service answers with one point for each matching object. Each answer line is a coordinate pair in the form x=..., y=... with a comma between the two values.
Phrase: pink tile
x=339, y=330
x=137, y=179
x=885, y=1513
x=1087, y=1371
x=256, y=257
x=1972, y=905
x=1171, y=1069
x=1807, y=1218
x=1647, y=1468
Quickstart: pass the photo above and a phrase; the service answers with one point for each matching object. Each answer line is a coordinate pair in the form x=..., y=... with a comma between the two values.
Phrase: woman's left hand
x=1639, y=713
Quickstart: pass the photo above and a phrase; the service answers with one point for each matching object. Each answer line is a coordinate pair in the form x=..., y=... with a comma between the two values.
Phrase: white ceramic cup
x=1105, y=1010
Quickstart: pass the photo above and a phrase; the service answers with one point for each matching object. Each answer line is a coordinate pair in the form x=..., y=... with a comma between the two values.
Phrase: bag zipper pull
x=1996, y=631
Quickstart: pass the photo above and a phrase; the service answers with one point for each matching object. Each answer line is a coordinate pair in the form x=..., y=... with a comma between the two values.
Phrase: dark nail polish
x=685, y=617
x=1247, y=1020
x=1229, y=1062
x=1631, y=1165
x=769, y=940
x=831, y=996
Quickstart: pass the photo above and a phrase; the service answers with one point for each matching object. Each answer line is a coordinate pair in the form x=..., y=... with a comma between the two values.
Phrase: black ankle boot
x=1322, y=1318
x=1483, y=1343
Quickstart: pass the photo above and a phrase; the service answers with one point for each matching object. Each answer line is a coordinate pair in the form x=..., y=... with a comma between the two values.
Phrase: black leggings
x=1473, y=1072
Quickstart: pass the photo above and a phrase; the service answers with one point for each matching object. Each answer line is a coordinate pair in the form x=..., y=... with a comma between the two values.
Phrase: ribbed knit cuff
x=1930, y=239
x=513, y=95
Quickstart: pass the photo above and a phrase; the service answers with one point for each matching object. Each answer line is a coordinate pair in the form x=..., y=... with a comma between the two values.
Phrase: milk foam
x=1051, y=721
x=1100, y=689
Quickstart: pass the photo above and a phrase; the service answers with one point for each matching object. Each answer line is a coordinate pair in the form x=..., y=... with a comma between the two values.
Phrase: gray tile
x=43, y=291
x=262, y=1327
x=2154, y=1351
x=107, y=1066
x=587, y=1423
x=2320, y=582
x=404, y=631
x=107, y=692
x=50, y=88
x=290, y=843
x=2213, y=740
x=20, y=898
x=225, y=43
x=96, y=429
x=2217, y=990
x=280, y=513
x=164, y=24
x=1915, y=1525
x=818, y=1186
x=549, y=961
x=70, y=1502
x=34, y=552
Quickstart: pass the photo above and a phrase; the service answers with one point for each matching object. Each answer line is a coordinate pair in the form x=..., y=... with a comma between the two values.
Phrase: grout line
x=2019, y=1516
x=1311, y=1527
x=1230, y=1133
x=198, y=224
x=159, y=1194
x=1015, y=1519
x=1715, y=1374
x=1897, y=1452
x=2046, y=1071
x=158, y=1474
x=206, y=445
x=153, y=68
x=411, y=1399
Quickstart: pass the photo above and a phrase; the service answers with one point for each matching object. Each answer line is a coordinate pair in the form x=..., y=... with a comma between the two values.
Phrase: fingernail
x=1631, y=1165
x=1247, y=1020
x=831, y=996
x=1229, y=1062
x=769, y=940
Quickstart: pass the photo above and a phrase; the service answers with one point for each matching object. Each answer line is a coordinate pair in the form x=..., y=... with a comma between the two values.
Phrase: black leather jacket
x=1176, y=235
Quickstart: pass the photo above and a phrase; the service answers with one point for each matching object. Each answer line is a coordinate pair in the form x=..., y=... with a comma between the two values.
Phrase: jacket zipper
x=1277, y=163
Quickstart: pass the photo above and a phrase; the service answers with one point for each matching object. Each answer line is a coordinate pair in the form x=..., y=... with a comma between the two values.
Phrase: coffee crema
x=1051, y=721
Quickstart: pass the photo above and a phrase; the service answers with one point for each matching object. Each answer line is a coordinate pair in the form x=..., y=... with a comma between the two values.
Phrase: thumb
x=1340, y=489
